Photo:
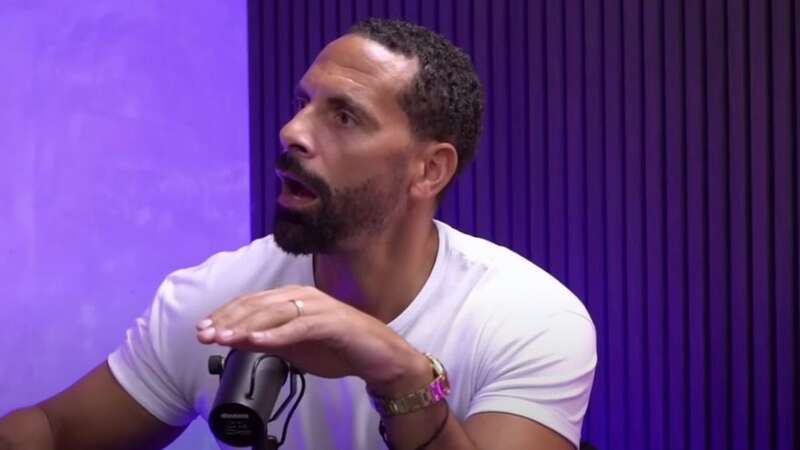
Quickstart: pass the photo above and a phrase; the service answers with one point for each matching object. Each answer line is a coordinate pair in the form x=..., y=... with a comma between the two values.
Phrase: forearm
x=430, y=428
x=26, y=429
x=410, y=431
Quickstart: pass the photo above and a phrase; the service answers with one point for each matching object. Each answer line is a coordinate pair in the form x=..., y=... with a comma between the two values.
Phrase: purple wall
x=123, y=156
x=646, y=153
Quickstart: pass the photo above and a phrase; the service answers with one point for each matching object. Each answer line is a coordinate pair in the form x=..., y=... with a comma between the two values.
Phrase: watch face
x=439, y=388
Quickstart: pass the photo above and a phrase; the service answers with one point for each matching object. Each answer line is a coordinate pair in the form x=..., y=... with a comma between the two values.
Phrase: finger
x=302, y=329
x=244, y=306
x=208, y=321
x=230, y=312
x=268, y=318
x=211, y=335
x=257, y=313
x=216, y=328
x=245, y=298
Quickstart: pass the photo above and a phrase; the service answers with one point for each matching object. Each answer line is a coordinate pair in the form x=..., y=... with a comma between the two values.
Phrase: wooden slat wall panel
x=784, y=280
x=596, y=294
x=740, y=242
x=645, y=152
x=717, y=227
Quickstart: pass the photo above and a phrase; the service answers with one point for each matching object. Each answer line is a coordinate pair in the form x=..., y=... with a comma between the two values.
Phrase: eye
x=299, y=103
x=344, y=118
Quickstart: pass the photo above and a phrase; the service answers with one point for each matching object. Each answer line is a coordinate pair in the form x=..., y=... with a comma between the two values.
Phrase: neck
x=384, y=273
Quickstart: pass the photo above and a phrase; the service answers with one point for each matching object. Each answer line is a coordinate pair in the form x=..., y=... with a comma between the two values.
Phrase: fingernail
x=208, y=333
x=261, y=335
x=203, y=324
x=225, y=334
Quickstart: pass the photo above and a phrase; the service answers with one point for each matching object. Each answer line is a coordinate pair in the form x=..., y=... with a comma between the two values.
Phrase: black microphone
x=249, y=386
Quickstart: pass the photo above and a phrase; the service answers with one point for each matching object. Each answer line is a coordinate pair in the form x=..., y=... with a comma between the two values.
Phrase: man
x=356, y=282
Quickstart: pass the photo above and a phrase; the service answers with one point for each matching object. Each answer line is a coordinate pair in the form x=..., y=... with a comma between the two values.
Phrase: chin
x=298, y=234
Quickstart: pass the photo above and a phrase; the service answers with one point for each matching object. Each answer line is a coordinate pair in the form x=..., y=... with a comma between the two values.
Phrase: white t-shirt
x=512, y=338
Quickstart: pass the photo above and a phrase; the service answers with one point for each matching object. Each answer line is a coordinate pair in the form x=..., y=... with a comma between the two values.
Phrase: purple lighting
x=123, y=156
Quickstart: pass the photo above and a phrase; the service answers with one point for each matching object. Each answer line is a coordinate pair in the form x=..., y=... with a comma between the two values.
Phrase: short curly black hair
x=445, y=99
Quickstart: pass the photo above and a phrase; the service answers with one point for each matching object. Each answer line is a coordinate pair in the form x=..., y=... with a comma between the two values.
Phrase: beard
x=339, y=215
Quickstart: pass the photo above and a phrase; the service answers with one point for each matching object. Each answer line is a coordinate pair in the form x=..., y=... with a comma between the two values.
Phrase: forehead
x=358, y=66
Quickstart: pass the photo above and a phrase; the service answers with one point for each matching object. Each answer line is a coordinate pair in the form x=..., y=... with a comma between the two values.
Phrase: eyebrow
x=343, y=101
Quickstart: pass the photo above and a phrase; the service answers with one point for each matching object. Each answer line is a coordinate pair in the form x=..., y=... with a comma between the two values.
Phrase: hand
x=329, y=339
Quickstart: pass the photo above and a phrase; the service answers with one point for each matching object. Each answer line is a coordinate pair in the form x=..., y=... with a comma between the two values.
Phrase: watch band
x=431, y=394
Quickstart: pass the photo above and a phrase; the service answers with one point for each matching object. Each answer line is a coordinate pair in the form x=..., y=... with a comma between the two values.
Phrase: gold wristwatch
x=431, y=394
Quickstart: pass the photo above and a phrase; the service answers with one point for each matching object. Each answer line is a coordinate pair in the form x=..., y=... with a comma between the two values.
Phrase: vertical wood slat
x=518, y=125
x=633, y=198
x=794, y=273
x=697, y=215
x=538, y=132
x=481, y=20
x=759, y=166
x=575, y=147
x=613, y=171
x=601, y=405
x=655, y=229
x=555, y=151
x=718, y=225
x=784, y=242
x=646, y=153
x=499, y=134
x=738, y=186
x=677, y=344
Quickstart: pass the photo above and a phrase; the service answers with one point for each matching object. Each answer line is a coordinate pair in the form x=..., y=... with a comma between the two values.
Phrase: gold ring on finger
x=299, y=305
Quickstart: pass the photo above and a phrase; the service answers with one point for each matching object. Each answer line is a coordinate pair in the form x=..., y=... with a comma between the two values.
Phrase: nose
x=296, y=134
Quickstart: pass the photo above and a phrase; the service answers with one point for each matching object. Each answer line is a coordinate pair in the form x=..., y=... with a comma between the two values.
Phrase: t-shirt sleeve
x=143, y=364
x=543, y=372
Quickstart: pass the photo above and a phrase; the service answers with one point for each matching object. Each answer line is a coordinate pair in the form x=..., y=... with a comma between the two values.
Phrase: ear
x=435, y=168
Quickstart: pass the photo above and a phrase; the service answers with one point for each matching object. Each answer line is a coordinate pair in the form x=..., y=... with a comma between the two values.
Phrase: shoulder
x=161, y=363
x=517, y=311
x=187, y=295
x=256, y=266
x=534, y=344
x=507, y=283
x=235, y=267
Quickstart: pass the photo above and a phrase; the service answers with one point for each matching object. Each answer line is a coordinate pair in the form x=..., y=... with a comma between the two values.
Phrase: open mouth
x=298, y=189
x=295, y=193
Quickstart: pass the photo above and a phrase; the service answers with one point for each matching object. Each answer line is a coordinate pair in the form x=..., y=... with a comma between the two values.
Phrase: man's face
x=346, y=152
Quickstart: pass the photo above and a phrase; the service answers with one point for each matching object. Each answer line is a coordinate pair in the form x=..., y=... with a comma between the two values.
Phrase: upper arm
x=511, y=432
x=536, y=384
x=97, y=413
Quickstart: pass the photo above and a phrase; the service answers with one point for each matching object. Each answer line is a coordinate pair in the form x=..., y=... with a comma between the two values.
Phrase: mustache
x=289, y=163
